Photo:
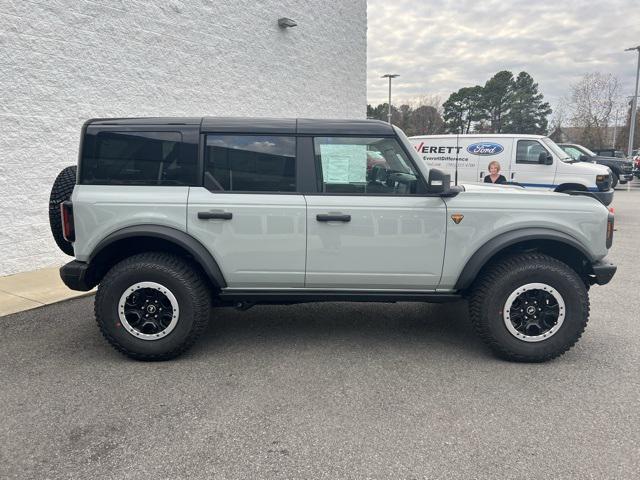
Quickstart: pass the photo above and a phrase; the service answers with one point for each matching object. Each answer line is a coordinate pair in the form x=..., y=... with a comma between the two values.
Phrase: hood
x=514, y=193
x=592, y=168
x=621, y=161
x=503, y=189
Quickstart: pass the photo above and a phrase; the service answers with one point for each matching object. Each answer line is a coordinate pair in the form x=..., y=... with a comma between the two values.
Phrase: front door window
x=363, y=165
x=529, y=151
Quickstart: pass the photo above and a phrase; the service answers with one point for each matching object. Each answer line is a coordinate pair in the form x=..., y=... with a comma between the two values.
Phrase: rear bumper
x=603, y=271
x=605, y=197
x=77, y=276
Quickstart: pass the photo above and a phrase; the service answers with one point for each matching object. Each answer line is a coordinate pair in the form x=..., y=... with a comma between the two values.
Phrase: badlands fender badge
x=457, y=218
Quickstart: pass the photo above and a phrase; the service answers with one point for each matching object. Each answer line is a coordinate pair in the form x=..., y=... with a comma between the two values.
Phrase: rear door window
x=136, y=158
x=250, y=163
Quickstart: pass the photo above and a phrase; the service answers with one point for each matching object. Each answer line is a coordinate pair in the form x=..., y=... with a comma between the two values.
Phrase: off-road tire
x=614, y=179
x=61, y=192
x=181, y=278
x=493, y=287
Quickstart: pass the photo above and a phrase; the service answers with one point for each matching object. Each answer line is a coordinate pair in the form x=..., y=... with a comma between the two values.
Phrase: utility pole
x=615, y=128
x=390, y=76
x=634, y=104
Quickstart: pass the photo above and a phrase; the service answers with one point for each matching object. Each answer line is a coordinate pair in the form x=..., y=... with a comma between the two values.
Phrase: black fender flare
x=173, y=235
x=481, y=256
x=571, y=187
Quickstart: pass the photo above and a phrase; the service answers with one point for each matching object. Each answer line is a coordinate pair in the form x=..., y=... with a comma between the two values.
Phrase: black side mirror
x=545, y=159
x=439, y=182
x=583, y=158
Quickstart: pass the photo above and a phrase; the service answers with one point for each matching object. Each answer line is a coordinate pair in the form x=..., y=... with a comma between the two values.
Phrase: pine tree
x=463, y=109
x=527, y=111
x=497, y=96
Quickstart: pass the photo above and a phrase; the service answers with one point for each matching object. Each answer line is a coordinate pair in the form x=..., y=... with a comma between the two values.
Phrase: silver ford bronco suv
x=170, y=217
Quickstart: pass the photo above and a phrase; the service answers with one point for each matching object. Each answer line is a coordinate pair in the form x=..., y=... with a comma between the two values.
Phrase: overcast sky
x=440, y=46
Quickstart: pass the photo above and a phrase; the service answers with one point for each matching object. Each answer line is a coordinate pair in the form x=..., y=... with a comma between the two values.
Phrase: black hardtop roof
x=146, y=121
x=303, y=126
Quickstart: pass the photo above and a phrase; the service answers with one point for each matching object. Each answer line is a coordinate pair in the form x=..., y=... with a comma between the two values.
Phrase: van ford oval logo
x=485, y=148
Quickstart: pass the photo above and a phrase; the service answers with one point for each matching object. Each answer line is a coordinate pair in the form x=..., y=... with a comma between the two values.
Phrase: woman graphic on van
x=494, y=174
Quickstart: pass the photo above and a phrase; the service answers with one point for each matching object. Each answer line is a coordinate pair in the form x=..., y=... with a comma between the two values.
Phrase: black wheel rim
x=148, y=310
x=534, y=312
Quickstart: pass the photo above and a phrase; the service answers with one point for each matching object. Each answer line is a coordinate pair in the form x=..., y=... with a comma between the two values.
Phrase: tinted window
x=248, y=163
x=363, y=165
x=529, y=151
x=136, y=158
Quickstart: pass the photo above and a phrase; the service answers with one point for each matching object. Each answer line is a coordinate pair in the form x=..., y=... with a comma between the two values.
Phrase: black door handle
x=332, y=217
x=215, y=215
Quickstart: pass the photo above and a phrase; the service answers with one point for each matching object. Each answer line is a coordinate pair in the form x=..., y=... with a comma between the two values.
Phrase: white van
x=532, y=161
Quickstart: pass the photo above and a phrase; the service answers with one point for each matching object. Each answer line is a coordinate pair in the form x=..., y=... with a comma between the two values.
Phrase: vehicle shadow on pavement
x=409, y=324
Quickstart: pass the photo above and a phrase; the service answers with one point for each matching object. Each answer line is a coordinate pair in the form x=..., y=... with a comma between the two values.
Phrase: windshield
x=407, y=144
x=587, y=151
x=573, y=152
x=557, y=151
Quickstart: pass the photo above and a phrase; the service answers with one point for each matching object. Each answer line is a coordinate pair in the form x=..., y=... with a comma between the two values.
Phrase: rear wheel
x=152, y=306
x=529, y=307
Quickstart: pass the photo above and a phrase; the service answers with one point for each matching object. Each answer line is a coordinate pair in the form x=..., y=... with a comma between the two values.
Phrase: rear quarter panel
x=99, y=210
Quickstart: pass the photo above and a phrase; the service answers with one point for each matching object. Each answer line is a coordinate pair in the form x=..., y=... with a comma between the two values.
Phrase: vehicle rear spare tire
x=61, y=192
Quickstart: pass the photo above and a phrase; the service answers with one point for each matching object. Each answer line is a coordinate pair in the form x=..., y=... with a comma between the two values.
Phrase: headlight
x=601, y=178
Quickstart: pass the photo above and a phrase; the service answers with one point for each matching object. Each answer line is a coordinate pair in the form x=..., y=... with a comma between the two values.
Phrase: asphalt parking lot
x=333, y=390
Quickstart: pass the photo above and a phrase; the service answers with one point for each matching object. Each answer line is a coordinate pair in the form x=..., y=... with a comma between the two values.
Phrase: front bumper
x=627, y=177
x=605, y=197
x=603, y=272
x=77, y=276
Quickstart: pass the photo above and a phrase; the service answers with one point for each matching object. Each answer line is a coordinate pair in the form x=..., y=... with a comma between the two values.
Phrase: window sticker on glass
x=344, y=163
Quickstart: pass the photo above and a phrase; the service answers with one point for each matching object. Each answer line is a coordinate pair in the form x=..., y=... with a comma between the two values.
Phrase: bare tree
x=622, y=139
x=427, y=115
x=417, y=116
x=559, y=121
x=593, y=101
x=427, y=100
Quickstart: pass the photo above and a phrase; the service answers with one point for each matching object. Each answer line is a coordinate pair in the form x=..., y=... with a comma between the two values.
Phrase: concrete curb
x=28, y=290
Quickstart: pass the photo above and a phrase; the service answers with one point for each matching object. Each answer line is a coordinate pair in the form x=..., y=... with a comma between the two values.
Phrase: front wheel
x=152, y=306
x=614, y=180
x=529, y=307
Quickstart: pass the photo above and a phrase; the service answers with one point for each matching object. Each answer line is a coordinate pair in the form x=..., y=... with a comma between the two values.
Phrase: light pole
x=634, y=103
x=390, y=76
x=615, y=129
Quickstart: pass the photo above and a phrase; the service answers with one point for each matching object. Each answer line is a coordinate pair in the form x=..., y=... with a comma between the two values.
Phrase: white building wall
x=64, y=61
